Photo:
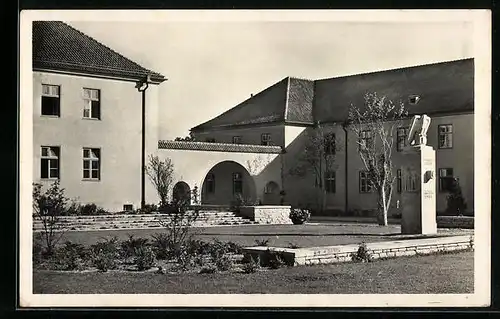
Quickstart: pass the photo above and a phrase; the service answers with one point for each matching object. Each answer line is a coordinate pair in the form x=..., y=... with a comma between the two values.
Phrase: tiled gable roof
x=444, y=87
x=59, y=47
x=218, y=147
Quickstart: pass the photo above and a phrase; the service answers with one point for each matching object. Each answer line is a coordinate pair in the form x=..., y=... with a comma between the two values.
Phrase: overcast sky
x=212, y=66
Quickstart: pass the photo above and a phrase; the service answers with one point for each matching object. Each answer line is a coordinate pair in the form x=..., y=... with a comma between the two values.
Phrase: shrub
x=261, y=242
x=161, y=245
x=251, y=265
x=130, y=246
x=236, y=203
x=208, y=270
x=48, y=208
x=224, y=262
x=299, y=215
x=37, y=249
x=275, y=259
x=104, y=254
x=362, y=254
x=293, y=246
x=71, y=256
x=455, y=201
x=148, y=209
x=144, y=258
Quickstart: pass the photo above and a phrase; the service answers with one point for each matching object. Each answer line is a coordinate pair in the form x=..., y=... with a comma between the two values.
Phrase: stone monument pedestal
x=418, y=196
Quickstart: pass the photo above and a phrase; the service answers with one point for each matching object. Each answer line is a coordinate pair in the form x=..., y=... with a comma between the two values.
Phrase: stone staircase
x=133, y=221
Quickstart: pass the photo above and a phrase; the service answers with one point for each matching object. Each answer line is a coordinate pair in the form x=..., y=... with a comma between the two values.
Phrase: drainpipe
x=142, y=87
x=346, y=151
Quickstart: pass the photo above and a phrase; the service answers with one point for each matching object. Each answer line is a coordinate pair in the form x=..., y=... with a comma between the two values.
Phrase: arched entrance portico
x=182, y=192
x=224, y=182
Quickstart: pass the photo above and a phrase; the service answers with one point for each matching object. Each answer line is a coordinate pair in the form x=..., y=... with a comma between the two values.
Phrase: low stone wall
x=343, y=253
x=267, y=214
x=455, y=222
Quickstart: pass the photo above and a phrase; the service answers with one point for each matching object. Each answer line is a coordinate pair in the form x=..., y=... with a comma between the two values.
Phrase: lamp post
x=142, y=87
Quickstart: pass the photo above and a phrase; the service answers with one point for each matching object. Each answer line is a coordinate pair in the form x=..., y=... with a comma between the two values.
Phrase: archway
x=226, y=181
x=271, y=194
x=182, y=192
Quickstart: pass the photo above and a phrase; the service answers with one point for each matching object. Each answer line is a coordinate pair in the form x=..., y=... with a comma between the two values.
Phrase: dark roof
x=218, y=147
x=59, y=47
x=289, y=100
x=446, y=87
x=443, y=88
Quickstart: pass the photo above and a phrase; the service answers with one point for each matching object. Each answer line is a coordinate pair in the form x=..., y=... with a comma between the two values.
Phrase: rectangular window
x=236, y=139
x=365, y=139
x=445, y=136
x=91, y=104
x=402, y=136
x=128, y=207
x=330, y=185
x=445, y=179
x=92, y=163
x=265, y=139
x=329, y=143
x=412, y=181
x=50, y=162
x=399, y=181
x=237, y=183
x=51, y=100
x=210, y=183
x=364, y=182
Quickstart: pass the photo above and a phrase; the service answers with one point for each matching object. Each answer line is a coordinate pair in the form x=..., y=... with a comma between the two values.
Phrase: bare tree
x=318, y=158
x=374, y=127
x=161, y=174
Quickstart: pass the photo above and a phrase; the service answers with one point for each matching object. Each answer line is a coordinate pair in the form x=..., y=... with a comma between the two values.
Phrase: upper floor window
x=445, y=138
x=399, y=181
x=365, y=185
x=91, y=163
x=210, y=183
x=236, y=139
x=265, y=139
x=329, y=143
x=51, y=100
x=402, y=136
x=365, y=139
x=330, y=185
x=446, y=179
x=49, y=164
x=237, y=183
x=91, y=104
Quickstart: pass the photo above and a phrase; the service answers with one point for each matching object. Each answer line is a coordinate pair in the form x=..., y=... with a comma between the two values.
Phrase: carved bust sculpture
x=418, y=130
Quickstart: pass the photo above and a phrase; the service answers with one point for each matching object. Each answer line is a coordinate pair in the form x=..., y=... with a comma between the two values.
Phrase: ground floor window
x=237, y=183
x=50, y=162
x=445, y=179
x=330, y=184
x=365, y=185
x=210, y=183
x=399, y=181
x=92, y=163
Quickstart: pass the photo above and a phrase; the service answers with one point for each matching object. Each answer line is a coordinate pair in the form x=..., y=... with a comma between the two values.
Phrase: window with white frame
x=237, y=183
x=445, y=136
x=330, y=184
x=236, y=139
x=365, y=139
x=210, y=183
x=92, y=163
x=91, y=104
x=265, y=139
x=365, y=185
x=51, y=100
x=402, y=136
x=446, y=179
x=49, y=163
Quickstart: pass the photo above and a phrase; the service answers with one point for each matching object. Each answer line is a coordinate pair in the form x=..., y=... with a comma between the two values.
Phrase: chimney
x=251, y=94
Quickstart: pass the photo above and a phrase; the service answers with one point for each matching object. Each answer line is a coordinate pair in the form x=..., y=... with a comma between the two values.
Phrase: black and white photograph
x=253, y=158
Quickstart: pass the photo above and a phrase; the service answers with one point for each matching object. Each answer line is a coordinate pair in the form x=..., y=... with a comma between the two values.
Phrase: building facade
x=87, y=117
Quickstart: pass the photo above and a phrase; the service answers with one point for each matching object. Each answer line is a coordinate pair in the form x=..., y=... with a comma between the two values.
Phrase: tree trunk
x=383, y=206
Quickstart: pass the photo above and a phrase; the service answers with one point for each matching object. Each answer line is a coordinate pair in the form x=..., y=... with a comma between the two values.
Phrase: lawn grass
x=307, y=235
x=435, y=274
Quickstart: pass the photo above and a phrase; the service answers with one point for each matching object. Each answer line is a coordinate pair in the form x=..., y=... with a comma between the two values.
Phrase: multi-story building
x=87, y=113
x=285, y=113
